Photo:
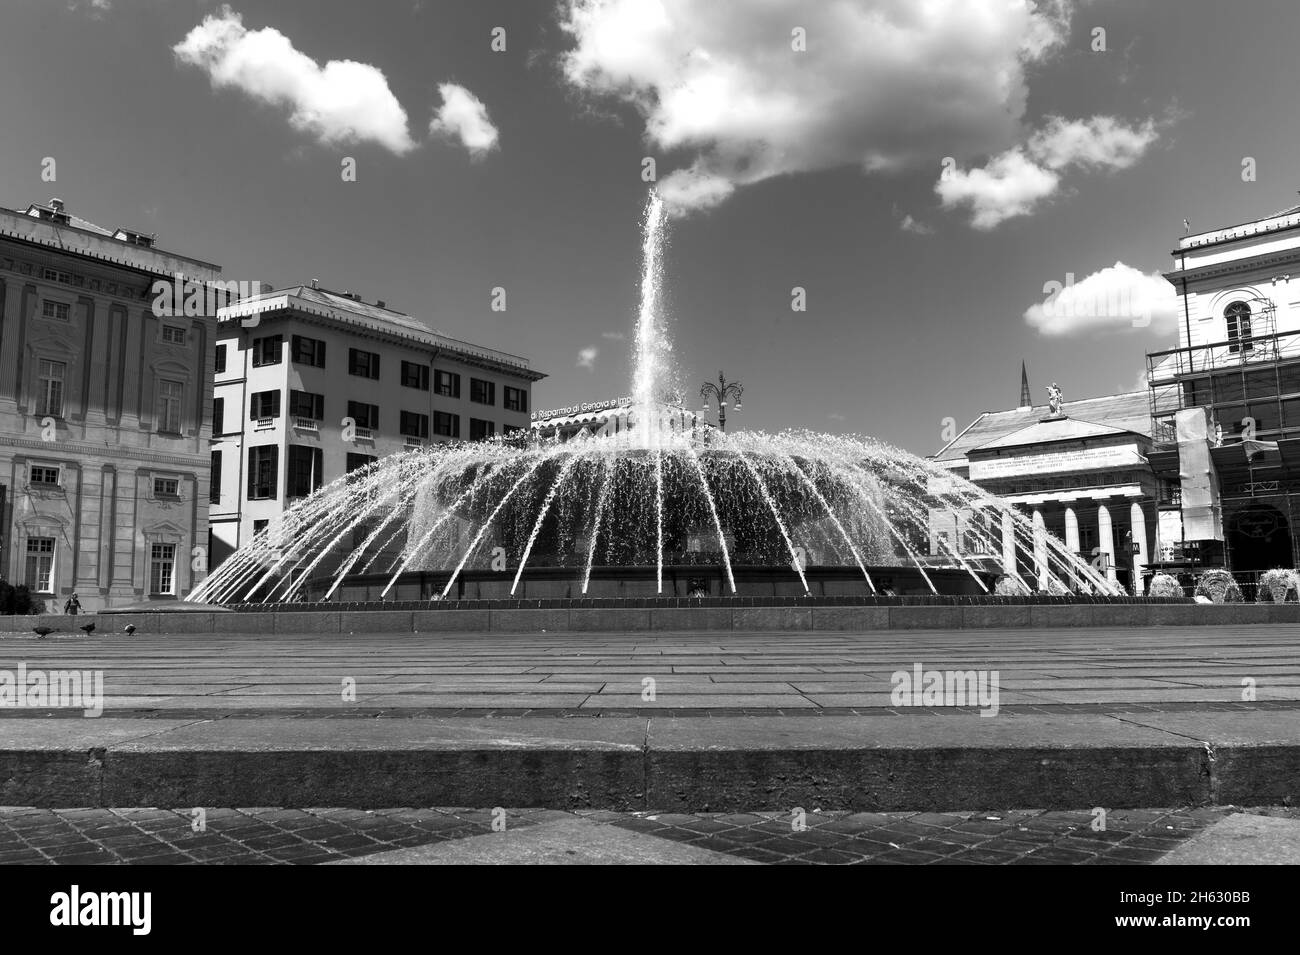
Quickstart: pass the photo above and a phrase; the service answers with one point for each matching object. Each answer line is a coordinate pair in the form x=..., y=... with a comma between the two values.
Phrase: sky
x=923, y=173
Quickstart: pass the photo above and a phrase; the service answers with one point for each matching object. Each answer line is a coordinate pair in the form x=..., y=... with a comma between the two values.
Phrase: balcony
x=309, y=425
x=263, y=424
x=364, y=434
x=415, y=442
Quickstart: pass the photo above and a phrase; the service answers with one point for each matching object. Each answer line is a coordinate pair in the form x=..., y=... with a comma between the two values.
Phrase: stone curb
x=666, y=764
x=678, y=619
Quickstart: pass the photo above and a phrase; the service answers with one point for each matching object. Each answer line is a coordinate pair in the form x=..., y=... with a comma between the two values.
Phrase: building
x=612, y=416
x=1225, y=404
x=312, y=384
x=1079, y=471
x=104, y=411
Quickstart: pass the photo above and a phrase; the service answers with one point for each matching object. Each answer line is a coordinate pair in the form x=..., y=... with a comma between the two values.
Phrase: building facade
x=1225, y=404
x=312, y=384
x=104, y=412
x=1079, y=472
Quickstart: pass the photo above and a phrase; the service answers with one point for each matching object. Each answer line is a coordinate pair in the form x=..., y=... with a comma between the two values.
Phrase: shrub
x=19, y=600
x=1278, y=586
x=1164, y=585
x=1008, y=586
x=1219, y=586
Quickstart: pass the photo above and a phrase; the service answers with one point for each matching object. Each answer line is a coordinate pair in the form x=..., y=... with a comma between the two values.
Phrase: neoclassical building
x=1080, y=473
x=104, y=413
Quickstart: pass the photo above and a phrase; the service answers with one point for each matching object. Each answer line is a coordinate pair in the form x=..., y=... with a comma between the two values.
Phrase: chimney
x=56, y=204
x=380, y=303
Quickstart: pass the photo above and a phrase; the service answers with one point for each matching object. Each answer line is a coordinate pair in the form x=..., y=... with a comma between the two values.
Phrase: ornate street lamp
x=720, y=393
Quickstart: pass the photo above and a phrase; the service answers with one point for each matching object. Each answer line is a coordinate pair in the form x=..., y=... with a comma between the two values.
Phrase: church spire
x=1025, y=400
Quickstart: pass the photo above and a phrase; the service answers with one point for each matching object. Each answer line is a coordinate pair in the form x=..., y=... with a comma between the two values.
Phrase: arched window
x=1237, y=315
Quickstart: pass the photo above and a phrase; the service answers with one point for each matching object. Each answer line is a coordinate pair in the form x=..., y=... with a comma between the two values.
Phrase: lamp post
x=720, y=393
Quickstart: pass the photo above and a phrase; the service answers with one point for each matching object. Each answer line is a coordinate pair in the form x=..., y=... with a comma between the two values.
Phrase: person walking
x=72, y=606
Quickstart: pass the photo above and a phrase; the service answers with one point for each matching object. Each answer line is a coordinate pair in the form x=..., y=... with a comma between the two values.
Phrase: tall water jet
x=651, y=342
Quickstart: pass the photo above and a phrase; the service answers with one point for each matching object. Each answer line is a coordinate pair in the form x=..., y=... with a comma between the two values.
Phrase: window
x=44, y=474
x=162, y=569
x=308, y=351
x=447, y=425
x=259, y=526
x=55, y=310
x=304, y=404
x=50, y=385
x=366, y=416
x=173, y=334
x=516, y=399
x=356, y=462
x=221, y=359
x=166, y=487
x=263, y=465
x=40, y=564
x=446, y=383
x=218, y=415
x=170, y=396
x=1237, y=316
x=482, y=392
x=305, y=466
x=264, y=404
x=415, y=375
x=214, y=484
x=479, y=429
x=267, y=351
x=364, y=364
x=415, y=425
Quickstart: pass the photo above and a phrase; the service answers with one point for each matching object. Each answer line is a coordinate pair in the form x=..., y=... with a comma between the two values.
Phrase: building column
x=1040, y=550
x=1008, y=544
x=1071, y=531
x=1139, y=524
x=1106, y=541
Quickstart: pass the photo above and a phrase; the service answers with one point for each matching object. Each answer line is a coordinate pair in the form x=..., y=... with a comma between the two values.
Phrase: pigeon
x=87, y=627
x=42, y=632
x=129, y=629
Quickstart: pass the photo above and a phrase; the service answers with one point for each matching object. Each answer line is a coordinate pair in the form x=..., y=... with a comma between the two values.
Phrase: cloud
x=96, y=8
x=914, y=226
x=587, y=357
x=882, y=84
x=463, y=116
x=614, y=336
x=341, y=102
x=1113, y=298
x=1015, y=182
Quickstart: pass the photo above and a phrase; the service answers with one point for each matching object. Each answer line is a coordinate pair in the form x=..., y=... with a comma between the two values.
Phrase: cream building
x=312, y=384
x=104, y=413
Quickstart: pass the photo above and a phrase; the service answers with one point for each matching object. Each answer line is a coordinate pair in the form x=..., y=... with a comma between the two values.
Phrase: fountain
x=661, y=508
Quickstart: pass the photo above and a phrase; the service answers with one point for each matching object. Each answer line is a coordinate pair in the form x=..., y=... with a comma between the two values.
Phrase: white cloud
x=613, y=336
x=96, y=8
x=914, y=226
x=882, y=83
x=1101, y=142
x=341, y=102
x=1113, y=298
x=1010, y=185
x=1015, y=182
x=463, y=116
x=587, y=357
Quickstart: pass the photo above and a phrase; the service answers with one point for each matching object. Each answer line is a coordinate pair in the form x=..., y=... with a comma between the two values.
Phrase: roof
x=1130, y=411
x=1056, y=429
x=348, y=310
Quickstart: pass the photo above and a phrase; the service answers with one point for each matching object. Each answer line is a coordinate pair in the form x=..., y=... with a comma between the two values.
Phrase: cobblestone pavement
x=306, y=836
